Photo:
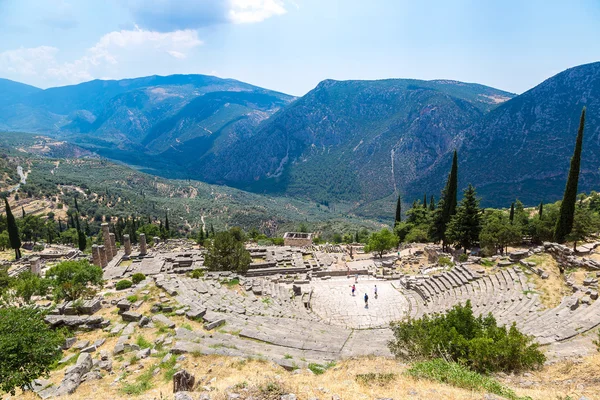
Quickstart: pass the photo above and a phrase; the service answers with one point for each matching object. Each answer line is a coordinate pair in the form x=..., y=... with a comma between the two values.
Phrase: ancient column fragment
x=143, y=249
x=127, y=244
x=107, y=245
x=96, y=256
x=103, y=260
x=113, y=244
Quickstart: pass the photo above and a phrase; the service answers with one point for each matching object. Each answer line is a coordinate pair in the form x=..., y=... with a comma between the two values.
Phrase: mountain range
x=357, y=143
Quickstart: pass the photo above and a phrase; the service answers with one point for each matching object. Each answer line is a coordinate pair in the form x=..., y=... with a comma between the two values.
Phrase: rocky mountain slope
x=356, y=142
x=148, y=115
x=522, y=149
x=352, y=140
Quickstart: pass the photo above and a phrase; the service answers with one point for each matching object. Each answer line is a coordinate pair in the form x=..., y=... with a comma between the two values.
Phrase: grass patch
x=142, y=342
x=319, y=369
x=230, y=283
x=142, y=383
x=169, y=368
x=266, y=300
x=132, y=299
x=288, y=356
x=375, y=378
x=221, y=346
x=486, y=262
x=187, y=326
x=459, y=376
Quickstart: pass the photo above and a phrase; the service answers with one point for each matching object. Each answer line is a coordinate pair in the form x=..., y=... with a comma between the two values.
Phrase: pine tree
x=465, y=226
x=567, y=207
x=447, y=205
x=398, y=218
x=13, y=231
x=511, y=216
x=432, y=203
x=541, y=209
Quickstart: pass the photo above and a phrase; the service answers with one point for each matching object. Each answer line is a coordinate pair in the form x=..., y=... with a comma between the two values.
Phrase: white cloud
x=112, y=52
x=252, y=11
x=177, y=54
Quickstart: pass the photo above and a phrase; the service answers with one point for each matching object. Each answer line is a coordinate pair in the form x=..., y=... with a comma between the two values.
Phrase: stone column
x=142, y=244
x=35, y=265
x=103, y=260
x=107, y=245
x=127, y=244
x=96, y=256
x=113, y=244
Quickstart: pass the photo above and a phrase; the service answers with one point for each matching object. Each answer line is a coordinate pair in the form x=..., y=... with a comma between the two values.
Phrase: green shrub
x=197, y=273
x=124, y=284
x=319, y=369
x=277, y=241
x=445, y=261
x=71, y=279
x=137, y=277
x=457, y=375
x=28, y=347
x=475, y=342
x=132, y=299
x=463, y=257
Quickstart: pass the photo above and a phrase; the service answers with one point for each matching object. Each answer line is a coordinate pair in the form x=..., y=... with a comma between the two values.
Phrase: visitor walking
x=366, y=300
x=353, y=289
x=375, y=290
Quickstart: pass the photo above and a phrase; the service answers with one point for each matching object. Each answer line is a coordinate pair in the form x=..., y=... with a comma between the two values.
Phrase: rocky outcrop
x=567, y=258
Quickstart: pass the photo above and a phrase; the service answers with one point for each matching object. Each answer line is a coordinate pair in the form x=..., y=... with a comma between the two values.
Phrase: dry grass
x=567, y=378
x=553, y=289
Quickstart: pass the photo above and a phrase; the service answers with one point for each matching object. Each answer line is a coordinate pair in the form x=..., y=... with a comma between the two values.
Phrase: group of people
x=366, y=296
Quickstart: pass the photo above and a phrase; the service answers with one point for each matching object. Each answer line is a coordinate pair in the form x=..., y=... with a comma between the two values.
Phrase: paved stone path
x=333, y=302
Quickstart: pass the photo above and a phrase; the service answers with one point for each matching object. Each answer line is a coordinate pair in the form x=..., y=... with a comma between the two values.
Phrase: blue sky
x=291, y=45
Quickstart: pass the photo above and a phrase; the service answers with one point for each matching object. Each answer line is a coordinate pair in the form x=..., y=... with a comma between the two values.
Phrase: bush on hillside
x=71, y=279
x=28, y=347
x=475, y=342
x=137, y=277
x=123, y=284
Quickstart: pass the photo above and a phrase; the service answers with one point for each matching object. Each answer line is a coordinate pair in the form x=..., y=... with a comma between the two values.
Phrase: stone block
x=130, y=316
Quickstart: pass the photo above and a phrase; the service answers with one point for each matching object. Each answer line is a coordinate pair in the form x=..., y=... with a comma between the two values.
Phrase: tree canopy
x=28, y=347
x=380, y=242
x=226, y=253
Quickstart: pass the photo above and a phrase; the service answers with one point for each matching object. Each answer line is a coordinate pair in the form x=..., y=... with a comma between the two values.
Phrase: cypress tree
x=13, y=231
x=212, y=230
x=431, y=203
x=76, y=205
x=447, y=204
x=23, y=211
x=541, y=209
x=60, y=228
x=567, y=207
x=511, y=216
x=167, y=222
x=398, y=218
x=356, y=237
x=425, y=200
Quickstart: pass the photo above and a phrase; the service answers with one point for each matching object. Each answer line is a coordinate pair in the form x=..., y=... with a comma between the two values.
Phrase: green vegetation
x=319, y=369
x=143, y=383
x=72, y=279
x=133, y=298
x=123, y=284
x=28, y=347
x=382, y=241
x=226, y=253
x=455, y=374
x=564, y=224
x=142, y=342
x=447, y=205
x=197, y=273
x=137, y=277
x=13, y=231
x=475, y=342
x=465, y=226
